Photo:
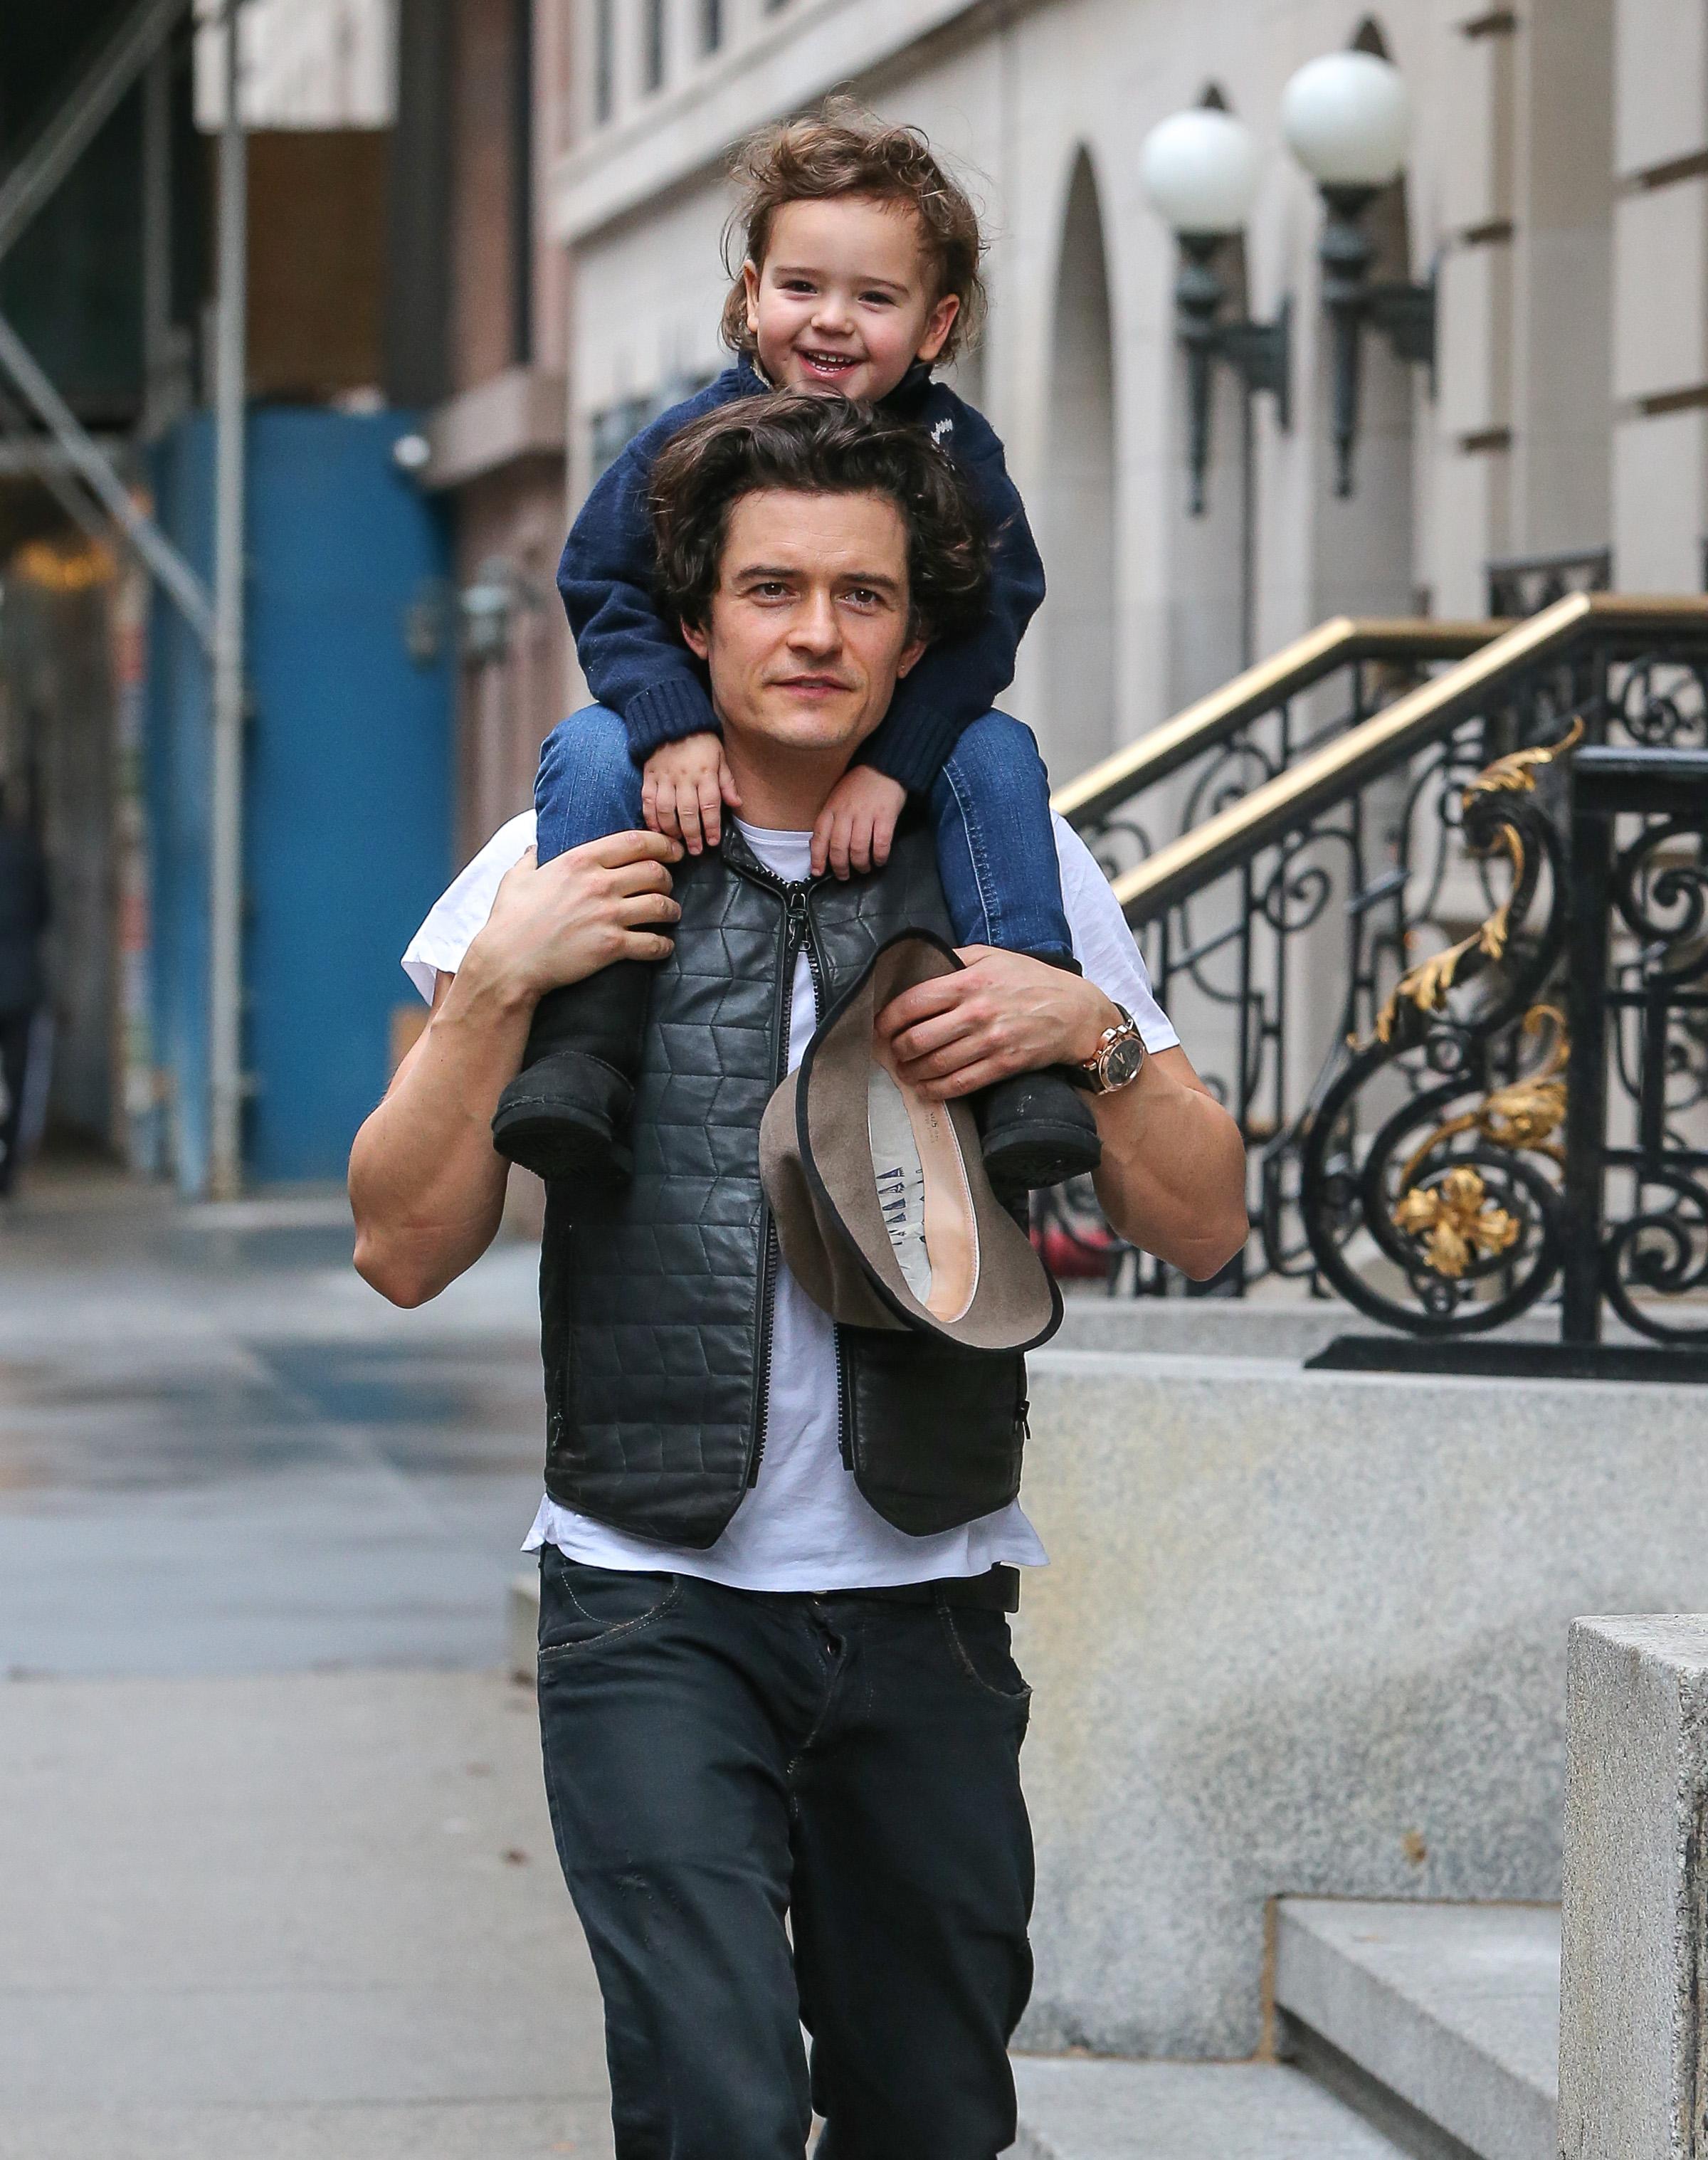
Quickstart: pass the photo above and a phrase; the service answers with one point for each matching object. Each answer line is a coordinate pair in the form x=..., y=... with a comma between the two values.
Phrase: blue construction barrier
x=348, y=779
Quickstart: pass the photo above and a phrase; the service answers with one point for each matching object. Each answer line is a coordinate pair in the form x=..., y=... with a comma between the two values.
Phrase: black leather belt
x=998, y=1590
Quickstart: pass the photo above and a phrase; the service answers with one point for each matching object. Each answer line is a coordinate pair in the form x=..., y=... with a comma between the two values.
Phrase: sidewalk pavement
x=220, y=1450
x=277, y=1881
x=263, y=1918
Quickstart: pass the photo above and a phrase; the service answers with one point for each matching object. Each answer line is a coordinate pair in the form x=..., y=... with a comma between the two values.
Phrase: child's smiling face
x=846, y=299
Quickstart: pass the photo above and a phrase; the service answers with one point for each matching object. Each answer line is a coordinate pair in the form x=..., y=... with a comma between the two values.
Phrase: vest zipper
x=797, y=931
x=845, y=1439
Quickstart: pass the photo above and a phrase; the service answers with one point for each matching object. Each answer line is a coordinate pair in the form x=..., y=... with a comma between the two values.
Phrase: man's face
x=807, y=630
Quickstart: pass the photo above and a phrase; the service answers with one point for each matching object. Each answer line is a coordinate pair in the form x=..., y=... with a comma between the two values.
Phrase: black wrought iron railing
x=1254, y=726
x=1366, y=952
x=1525, y=584
x=1635, y=1236
x=1161, y=790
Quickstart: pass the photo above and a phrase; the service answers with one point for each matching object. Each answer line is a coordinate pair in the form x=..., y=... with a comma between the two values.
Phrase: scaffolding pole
x=225, y=896
x=85, y=458
x=140, y=46
x=79, y=118
x=38, y=457
x=157, y=234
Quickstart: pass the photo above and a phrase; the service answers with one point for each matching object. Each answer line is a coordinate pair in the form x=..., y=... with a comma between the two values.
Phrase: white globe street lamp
x=1200, y=170
x=1347, y=118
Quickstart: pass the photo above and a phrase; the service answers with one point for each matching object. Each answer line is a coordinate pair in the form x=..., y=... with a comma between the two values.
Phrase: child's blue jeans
x=989, y=807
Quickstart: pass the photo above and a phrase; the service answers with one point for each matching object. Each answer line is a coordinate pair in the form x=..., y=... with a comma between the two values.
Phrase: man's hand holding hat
x=1002, y=1014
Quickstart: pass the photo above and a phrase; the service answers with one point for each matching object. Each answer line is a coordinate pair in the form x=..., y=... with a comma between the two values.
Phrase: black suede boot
x=1039, y=1131
x=1038, y=1127
x=566, y=1114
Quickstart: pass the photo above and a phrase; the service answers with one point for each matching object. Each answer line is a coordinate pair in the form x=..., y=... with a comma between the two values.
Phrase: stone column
x=1633, y=2044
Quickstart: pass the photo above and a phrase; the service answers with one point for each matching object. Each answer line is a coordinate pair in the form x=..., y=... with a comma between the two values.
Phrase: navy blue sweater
x=635, y=663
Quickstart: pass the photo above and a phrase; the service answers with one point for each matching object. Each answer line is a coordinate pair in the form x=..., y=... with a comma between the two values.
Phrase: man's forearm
x=425, y=1184
x=1173, y=1175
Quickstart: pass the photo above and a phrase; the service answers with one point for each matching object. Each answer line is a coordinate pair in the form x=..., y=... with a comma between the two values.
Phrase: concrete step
x=1294, y=1329
x=1077, y=2109
x=1441, y=2022
x=1290, y=1328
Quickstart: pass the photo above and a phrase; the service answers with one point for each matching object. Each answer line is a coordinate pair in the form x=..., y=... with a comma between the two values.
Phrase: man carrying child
x=781, y=1729
x=860, y=275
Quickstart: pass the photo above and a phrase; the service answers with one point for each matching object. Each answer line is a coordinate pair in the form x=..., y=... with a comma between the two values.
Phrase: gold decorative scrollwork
x=1516, y=772
x=1455, y=1219
x=1424, y=987
x=1456, y=1216
x=1524, y=1114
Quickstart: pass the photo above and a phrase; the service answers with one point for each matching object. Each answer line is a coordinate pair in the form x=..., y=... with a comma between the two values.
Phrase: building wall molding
x=679, y=138
x=1688, y=398
x=521, y=412
x=1493, y=22
x=1666, y=175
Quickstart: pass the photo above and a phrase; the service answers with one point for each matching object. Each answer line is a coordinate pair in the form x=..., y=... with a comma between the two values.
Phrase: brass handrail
x=1296, y=667
x=1198, y=857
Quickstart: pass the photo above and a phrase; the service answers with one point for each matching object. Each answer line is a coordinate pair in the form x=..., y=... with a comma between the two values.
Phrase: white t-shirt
x=804, y=1524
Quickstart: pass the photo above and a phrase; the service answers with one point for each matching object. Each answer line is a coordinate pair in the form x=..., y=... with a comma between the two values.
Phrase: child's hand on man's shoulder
x=684, y=786
x=854, y=830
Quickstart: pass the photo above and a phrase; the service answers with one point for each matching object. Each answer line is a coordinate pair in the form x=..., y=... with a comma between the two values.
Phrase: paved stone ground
x=277, y=1877
x=224, y=1453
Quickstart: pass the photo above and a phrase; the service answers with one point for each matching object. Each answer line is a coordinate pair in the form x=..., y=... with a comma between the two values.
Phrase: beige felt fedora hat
x=882, y=1205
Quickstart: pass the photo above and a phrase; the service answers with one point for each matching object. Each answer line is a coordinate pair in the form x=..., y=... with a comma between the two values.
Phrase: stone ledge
x=523, y=412
x=1306, y=1633
x=1455, y=2008
x=1077, y=2109
x=1633, y=2036
x=1290, y=1328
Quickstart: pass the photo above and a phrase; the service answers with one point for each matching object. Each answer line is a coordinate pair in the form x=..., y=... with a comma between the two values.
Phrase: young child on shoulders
x=860, y=276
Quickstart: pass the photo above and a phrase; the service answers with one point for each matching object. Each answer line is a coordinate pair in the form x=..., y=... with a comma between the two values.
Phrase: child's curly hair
x=842, y=149
x=809, y=444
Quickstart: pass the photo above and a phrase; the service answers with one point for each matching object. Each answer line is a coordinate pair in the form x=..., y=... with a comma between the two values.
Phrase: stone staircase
x=1407, y=2025
x=1073, y=2110
x=1424, y=2030
x=1440, y=2023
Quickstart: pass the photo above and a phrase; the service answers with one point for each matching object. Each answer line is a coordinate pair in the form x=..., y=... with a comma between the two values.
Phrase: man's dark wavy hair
x=816, y=445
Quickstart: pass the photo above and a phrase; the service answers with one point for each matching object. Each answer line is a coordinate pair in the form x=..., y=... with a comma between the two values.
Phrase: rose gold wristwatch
x=1118, y=1058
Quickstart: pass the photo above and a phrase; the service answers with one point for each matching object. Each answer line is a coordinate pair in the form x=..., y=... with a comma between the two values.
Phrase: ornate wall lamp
x=1200, y=170
x=1347, y=118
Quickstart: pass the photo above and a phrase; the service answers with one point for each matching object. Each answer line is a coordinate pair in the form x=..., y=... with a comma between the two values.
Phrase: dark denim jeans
x=779, y=1810
x=989, y=808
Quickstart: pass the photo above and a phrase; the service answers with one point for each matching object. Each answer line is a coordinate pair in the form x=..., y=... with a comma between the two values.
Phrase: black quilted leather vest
x=656, y=1300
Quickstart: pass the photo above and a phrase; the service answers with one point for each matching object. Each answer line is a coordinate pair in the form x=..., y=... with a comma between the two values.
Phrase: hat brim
x=816, y=1162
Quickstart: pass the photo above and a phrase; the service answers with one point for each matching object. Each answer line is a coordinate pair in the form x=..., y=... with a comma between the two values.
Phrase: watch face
x=1122, y=1061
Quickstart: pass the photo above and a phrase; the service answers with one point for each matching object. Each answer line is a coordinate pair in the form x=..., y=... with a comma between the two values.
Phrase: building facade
x=496, y=432
x=301, y=63
x=1555, y=191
